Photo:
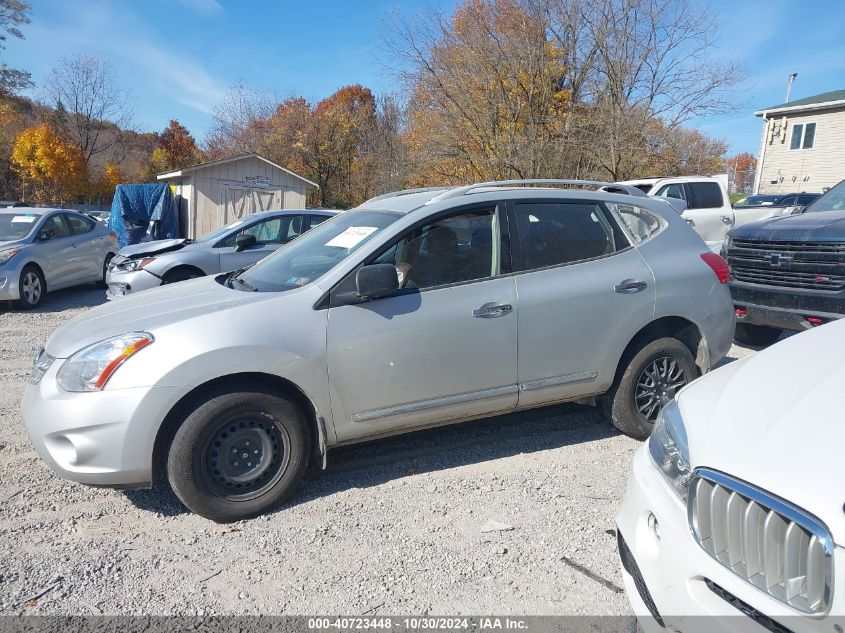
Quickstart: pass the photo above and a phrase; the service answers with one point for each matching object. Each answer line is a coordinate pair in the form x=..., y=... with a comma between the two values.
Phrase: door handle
x=487, y=311
x=689, y=221
x=630, y=286
x=727, y=219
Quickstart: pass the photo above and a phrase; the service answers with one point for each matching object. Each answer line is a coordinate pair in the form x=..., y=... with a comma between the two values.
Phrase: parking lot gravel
x=508, y=515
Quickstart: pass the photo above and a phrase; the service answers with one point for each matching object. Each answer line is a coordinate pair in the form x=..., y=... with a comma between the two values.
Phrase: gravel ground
x=393, y=527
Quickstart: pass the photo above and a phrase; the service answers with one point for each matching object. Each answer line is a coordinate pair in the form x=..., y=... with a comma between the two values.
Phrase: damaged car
x=232, y=247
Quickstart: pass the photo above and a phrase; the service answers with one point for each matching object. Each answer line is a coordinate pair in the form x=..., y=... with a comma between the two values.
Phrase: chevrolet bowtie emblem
x=778, y=259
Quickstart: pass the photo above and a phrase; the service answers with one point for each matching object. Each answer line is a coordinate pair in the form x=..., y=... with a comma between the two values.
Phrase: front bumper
x=102, y=438
x=121, y=283
x=688, y=590
x=10, y=278
x=786, y=308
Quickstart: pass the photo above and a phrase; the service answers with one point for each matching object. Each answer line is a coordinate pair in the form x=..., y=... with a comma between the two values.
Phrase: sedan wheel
x=32, y=288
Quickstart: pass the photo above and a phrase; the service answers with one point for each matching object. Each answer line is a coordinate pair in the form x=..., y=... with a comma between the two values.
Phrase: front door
x=269, y=233
x=443, y=347
x=583, y=294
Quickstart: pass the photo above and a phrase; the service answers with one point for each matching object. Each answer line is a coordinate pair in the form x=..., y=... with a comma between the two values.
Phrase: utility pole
x=789, y=83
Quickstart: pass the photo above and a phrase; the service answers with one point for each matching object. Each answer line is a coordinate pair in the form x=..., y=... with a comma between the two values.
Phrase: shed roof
x=220, y=161
x=831, y=99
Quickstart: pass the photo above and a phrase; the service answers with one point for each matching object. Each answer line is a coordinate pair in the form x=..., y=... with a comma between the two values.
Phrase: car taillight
x=718, y=265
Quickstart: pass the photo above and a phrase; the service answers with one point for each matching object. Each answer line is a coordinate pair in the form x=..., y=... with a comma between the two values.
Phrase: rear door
x=88, y=254
x=708, y=211
x=57, y=253
x=583, y=291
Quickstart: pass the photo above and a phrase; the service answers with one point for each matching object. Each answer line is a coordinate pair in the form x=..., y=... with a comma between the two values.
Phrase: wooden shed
x=213, y=194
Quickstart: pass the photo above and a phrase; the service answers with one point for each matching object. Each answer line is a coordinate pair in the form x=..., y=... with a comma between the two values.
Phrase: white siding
x=786, y=171
x=219, y=193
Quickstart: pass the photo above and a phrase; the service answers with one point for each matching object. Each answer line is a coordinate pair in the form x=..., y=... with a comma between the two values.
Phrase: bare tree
x=89, y=102
x=240, y=121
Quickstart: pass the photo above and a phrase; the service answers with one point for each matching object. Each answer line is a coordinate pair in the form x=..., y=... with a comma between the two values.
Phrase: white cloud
x=203, y=7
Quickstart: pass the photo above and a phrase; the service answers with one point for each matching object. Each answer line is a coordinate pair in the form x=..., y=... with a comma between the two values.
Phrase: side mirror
x=376, y=280
x=46, y=234
x=244, y=241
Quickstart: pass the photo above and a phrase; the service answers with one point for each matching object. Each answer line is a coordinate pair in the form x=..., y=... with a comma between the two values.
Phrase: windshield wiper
x=240, y=281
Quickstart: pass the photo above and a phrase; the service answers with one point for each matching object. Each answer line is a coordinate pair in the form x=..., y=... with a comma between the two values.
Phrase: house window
x=803, y=136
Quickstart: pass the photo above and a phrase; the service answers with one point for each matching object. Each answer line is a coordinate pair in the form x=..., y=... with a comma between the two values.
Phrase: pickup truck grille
x=764, y=540
x=811, y=265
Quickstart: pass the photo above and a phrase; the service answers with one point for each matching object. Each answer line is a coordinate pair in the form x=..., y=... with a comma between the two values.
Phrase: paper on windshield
x=351, y=236
x=28, y=219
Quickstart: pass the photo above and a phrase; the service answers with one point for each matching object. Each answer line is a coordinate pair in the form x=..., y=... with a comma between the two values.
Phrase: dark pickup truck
x=788, y=272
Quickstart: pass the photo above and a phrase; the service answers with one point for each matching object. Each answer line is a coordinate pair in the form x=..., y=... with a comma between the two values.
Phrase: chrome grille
x=811, y=265
x=773, y=545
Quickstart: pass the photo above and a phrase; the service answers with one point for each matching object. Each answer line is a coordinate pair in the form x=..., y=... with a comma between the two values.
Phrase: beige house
x=803, y=145
x=213, y=194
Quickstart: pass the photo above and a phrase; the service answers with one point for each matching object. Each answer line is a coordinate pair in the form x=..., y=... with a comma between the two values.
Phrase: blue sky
x=179, y=56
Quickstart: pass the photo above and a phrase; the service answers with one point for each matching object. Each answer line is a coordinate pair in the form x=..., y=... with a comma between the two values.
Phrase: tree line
x=498, y=89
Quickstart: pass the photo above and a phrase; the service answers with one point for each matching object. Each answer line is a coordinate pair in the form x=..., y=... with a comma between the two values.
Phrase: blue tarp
x=142, y=213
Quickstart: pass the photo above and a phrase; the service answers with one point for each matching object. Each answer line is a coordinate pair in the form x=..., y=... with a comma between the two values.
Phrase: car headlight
x=131, y=265
x=669, y=449
x=7, y=254
x=42, y=363
x=90, y=368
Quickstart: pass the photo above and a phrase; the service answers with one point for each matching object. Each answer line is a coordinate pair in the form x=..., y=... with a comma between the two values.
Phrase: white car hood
x=775, y=420
x=146, y=311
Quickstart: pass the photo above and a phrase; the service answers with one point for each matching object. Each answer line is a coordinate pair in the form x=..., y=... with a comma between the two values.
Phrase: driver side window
x=56, y=225
x=459, y=248
x=272, y=231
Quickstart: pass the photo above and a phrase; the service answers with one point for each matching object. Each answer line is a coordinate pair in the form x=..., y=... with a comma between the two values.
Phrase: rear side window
x=640, y=223
x=553, y=233
x=705, y=195
x=314, y=220
x=78, y=224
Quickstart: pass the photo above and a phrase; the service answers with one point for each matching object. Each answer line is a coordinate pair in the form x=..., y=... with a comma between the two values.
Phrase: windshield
x=16, y=226
x=217, y=234
x=317, y=251
x=756, y=201
x=833, y=200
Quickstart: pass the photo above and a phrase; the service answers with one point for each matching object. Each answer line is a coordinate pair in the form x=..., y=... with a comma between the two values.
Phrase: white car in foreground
x=734, y=508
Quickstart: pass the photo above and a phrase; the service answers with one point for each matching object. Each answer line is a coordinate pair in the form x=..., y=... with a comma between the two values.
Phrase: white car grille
x=768, y=542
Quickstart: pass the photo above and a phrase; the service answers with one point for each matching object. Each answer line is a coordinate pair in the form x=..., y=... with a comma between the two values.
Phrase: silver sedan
x=42, y=250
x=232, y=247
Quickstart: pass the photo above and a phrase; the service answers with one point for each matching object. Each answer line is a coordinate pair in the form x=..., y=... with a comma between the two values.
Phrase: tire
x=634, y=386
x=32, y=288
x=102, y=283
x=181, y=274
x=756, y=335
x=237, y=424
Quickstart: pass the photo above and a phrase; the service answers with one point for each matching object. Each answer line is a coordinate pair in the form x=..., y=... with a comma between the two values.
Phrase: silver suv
x=415, y=309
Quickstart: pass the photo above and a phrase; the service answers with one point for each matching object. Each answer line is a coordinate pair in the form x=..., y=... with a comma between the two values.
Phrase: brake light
x=718, y=265
x=815, y=320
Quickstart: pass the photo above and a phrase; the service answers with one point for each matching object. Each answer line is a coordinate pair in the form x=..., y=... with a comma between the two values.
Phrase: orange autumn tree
x=103, y=188
x=51, y=167
x=488, y=97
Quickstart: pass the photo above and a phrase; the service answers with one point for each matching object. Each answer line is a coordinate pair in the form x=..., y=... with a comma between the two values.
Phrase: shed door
x=236, y=204
x=266, y=199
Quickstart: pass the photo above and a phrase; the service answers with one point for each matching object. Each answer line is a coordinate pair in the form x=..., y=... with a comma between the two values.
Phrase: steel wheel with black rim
x=645, y=383
x=238, y=454
x=31, y=287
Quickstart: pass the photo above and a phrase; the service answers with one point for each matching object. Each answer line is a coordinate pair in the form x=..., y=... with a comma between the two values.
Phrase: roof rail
x=605, y=186
x=404, y=192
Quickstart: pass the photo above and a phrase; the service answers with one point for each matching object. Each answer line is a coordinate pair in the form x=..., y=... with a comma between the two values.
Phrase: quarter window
x=803, y=136
x=640, y=223
x=462, y=247
x=552, y=233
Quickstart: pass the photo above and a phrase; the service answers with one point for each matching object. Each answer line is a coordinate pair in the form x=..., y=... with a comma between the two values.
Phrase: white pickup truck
x=709, y=209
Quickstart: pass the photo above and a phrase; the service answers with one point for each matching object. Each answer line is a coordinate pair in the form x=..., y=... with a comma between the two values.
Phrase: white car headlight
x=131, y=265
x=669, y=449
x=90, y=368
x=7, y=254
